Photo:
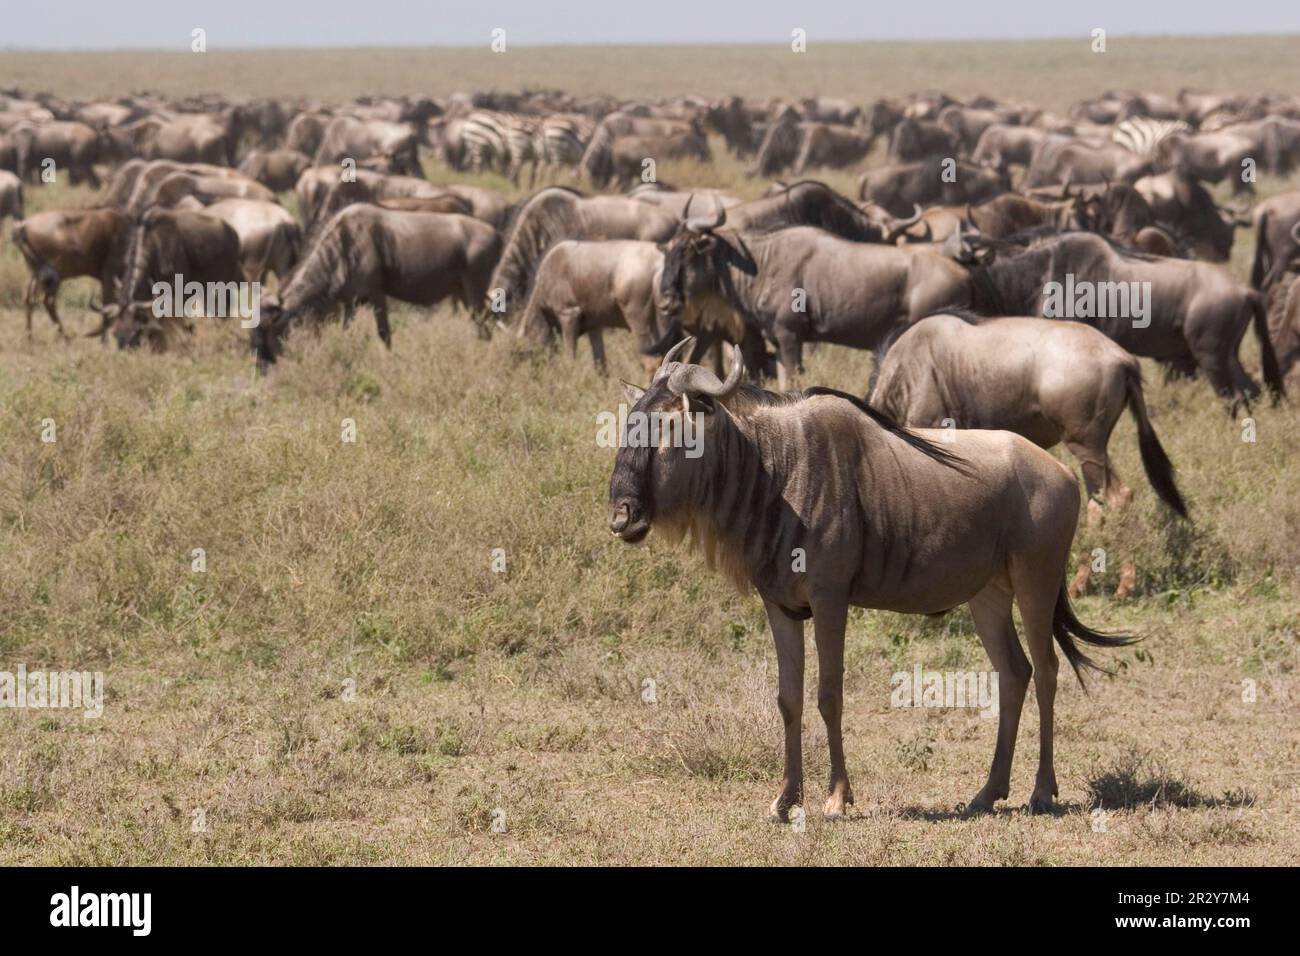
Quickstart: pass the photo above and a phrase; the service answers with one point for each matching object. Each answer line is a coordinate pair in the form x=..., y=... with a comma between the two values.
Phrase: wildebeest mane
x=542, y=221
x=751, y=396
x=810, y=203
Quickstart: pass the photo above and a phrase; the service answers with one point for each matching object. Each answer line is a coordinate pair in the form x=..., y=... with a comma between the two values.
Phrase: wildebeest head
x=696, y=259
x=653, y=473
x=135, y=324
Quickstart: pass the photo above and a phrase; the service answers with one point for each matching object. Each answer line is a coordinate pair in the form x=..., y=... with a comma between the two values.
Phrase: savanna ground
x=350, y=682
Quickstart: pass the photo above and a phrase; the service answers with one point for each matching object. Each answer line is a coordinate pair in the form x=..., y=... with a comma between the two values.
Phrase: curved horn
x=671, y=357
x=697, y=380
x=686, y=213
x=902, y=225
x=1295, y=233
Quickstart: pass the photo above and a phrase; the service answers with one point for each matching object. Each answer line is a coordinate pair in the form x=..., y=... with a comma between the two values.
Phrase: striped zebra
x=562, y=139
x=499, y=141
x=1143, y=136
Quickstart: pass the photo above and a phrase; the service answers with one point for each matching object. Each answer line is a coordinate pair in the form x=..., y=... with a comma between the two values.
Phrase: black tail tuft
x=1066, y=627
x=1159, y=469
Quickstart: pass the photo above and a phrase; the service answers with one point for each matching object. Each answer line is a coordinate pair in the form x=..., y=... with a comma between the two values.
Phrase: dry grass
x=366, y=567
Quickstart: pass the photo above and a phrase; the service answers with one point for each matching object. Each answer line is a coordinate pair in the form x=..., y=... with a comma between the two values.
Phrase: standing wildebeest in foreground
x=64, y=244
x=1051, y=382
x=806, y=285
x=883, y=518
x=11, y=196
x=368, y=254
x=1195, y=313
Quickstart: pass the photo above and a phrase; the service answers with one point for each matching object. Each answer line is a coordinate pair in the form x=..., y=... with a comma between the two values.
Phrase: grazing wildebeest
x=1277, y=238
x=166, y=243
x=915, y=139
x=1051, y=382
x=63, y=244
x=582, y=288
x=11, y=196
x=557, y=213
x=819, y=502
x=804, y=284
x=597, y=162
x=898, y=187
x=368, y=254
x=1195, y=313
x=1002, y=146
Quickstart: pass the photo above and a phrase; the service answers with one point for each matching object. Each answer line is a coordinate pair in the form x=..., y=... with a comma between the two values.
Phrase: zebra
x=1144, y=136
x=499, y=141
x=562, y=139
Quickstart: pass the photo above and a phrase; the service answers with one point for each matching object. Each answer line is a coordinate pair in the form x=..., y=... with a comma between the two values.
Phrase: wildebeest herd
x=1006, y=265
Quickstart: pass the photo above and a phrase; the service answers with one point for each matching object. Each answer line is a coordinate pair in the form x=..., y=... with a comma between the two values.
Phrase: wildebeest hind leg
x=829, y=617
x=381, y=321
x=1037, y=601
x=597, y=341
x=1096, y=470
x=991, y=609
x=51, y=306
x=787, y=633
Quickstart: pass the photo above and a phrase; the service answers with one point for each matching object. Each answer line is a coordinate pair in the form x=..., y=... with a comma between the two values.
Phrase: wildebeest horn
x=707, y=223
x=673, y=352
x=689, y=380
x=686, y=213
x=1295, y=233
x=902, y=225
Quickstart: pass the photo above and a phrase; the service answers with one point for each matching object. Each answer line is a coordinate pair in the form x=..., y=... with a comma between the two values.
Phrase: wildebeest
x=803, y=284
x=11, y=196
x=582, y=288
x=166, y=243
x=346, y=137
x=1277, y=238
x=1051, y=382
x=819, y=502
x=557, y=213
x=597, y=163
x=63, y=244
x=628, y=154
x=915, y=139
x=368, y=254
x=676, y=200
x=1076, y=161
x=1188, y=313
x=208, y=189
x=1284, y=322
x=70, y=147
x=898, y=187
x=1002, y=146
x=277, y=169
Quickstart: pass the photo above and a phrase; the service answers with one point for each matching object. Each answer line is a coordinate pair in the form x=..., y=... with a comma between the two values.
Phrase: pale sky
x=166, y=24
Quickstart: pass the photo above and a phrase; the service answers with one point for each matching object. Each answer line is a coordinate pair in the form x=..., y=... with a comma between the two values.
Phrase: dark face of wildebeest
x=653, y=472
x=689, y=259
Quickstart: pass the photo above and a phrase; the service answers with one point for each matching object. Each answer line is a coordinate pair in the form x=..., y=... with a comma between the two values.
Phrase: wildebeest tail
x=1067, y=628
x=1159, y=469
x=1272, y=372
x=40, y=267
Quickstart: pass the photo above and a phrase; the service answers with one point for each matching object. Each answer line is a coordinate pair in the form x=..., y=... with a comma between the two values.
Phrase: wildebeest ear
x=632, y=392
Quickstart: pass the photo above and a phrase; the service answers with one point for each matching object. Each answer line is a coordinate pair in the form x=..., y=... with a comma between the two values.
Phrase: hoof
x=1041, y=803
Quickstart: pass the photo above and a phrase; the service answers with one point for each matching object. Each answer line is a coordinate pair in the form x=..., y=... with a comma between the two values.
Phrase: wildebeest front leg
x=29, y=302
x=597, y=341
x=991, y=609
x=51, y=306
x=381, y=322
x=788, y=636
x=789, y=357
x=829, y=616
